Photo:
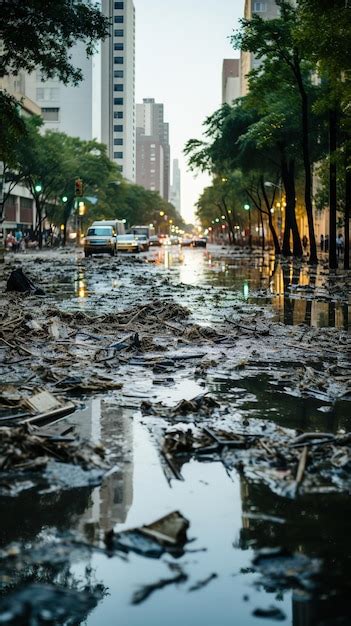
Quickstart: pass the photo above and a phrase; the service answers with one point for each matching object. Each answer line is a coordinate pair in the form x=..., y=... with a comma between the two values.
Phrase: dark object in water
x=273, y=612
x=18, y=281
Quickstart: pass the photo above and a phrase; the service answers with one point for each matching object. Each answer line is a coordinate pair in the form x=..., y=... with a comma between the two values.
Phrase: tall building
x=267, y=10
x=175, y=196
x=152, y=147
x=68, y=109
x=118, y=86
x=230, y=80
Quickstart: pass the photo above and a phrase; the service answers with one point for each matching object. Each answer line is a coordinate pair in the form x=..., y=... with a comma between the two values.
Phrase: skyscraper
x=175, y=196
x=230, y=80
x=267, y=10
x=66, y=108
x=118, y=86
x=153, y=163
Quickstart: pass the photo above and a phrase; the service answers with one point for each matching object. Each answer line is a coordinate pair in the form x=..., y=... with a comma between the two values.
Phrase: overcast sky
x=180, y=46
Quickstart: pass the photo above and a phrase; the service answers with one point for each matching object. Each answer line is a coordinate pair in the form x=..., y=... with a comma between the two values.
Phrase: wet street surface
x=203, y=390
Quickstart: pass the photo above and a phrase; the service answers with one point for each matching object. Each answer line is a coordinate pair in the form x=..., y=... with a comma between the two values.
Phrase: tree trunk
x=288, y=176
x=276, y=243
x=307, y=165
x=39, y=223
x=333, y=262
x=262, y=226
x=229, y=221
x=347, y=215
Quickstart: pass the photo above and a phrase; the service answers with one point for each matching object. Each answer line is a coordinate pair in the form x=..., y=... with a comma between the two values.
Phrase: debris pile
x=25, y=448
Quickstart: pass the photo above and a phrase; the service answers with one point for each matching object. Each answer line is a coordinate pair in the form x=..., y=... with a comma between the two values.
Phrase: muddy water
x=230, y=518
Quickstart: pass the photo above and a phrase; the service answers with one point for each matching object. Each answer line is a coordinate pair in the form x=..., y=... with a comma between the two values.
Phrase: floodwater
x=230, y=517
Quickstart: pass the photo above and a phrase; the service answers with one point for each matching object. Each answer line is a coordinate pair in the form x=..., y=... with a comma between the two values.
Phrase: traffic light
x=79, y=187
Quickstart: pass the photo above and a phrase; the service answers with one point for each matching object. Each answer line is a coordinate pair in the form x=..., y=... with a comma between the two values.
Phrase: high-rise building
x=230, y=80
x=175, y=196
x=267, y=10
x=118, y=86
x=153, y=163
x=66, y=108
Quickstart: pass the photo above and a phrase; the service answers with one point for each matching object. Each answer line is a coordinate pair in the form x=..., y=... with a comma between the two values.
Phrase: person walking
x=304, y=242
x=322, y=243
x=339, y=245
x=326, y=243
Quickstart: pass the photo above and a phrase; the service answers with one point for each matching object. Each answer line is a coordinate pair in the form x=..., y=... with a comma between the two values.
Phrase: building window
x=118, y=115
x=119, y=46
x=50, y=114
x=117, y=100
x=119, y=87
x=118, y=128
x=118, y=155
x=118, y=74
x=119, y=32
x=118, y=142
x=119, y=5
x=118, y=60
x=260, y=7
x=119, y=19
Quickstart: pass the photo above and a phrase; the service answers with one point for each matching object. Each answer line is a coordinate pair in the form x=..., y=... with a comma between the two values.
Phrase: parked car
x=199, y=242
x=154, y=240
x=128, y=243
x=100, y=239
x=144, y=242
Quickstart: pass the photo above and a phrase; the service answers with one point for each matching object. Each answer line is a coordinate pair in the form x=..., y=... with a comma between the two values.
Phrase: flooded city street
x=217, y=384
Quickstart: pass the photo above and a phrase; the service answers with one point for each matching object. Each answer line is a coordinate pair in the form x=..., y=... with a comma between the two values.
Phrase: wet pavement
x=54, y=539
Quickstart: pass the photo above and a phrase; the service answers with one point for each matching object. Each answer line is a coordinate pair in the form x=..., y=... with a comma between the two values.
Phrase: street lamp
x=38, y=188
x=248, y=208
x=64, y=199
x=279, y=204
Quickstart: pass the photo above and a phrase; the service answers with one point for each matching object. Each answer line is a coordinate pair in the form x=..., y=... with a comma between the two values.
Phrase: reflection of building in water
x=110, y=502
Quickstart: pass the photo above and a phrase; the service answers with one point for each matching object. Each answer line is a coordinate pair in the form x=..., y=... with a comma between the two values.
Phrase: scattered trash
x=144, y=592
x=273, y=612
x=166, y=534
x=281, y=569
x=18, y=281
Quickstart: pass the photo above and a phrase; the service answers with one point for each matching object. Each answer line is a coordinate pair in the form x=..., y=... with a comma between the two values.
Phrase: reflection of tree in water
x=289, y=281
x=315, y=525
x=46, y=565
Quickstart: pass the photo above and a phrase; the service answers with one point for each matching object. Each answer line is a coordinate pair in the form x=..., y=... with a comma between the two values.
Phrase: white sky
x=180, y=46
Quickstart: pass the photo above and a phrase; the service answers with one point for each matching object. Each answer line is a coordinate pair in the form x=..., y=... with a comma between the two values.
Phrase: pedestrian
x=326, y=243
x=322, y=243
x=304, y=242
x=339, y=245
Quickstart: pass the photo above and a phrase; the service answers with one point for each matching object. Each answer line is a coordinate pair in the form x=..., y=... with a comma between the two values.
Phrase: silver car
x=100, y=239
x=128, y=243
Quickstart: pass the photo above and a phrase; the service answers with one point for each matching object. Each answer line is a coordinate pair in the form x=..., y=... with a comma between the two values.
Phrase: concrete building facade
x=153, y=130
x=118, y=129
x=175, y=196
x=230, y=80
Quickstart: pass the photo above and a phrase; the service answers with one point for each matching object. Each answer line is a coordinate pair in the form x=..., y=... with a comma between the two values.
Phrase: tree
x=12, y=127
x=41, y=34
x=330, y=52
x=275, y=41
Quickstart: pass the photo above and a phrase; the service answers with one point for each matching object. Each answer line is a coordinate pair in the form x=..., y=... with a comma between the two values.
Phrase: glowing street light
x=64, y=198
x=38, y=188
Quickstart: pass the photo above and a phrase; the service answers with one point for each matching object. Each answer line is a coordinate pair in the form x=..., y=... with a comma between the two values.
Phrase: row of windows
x=260, y=7
x=118, y=128
x=119, y=5
x=118, y=101
x=118, y=74
x=119, y=87
x=118, y=155
x=119, y=19
x=119, y=33
x=47, y=93
x=118, y=142
x=118, y=46
x=118, y=115
x=118, y=60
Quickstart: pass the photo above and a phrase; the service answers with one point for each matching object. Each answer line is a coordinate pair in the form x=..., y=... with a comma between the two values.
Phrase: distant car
x=154, y=240
x=174, y=240
x=100, y=239
x=128, y=243
x=186, y=241
x=143, y=242
x=199, y=242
